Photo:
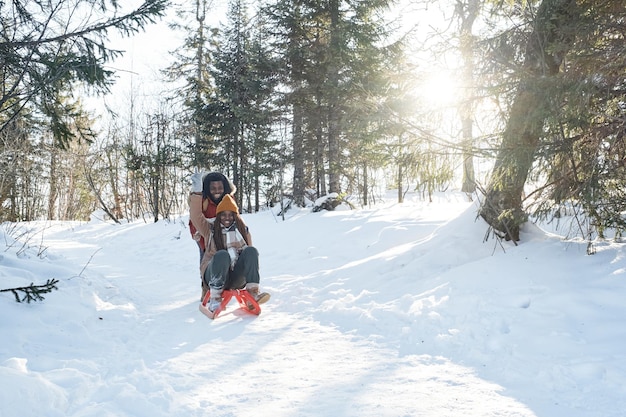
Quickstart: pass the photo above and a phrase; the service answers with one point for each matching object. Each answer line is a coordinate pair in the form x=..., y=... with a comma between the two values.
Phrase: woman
x=230, y=261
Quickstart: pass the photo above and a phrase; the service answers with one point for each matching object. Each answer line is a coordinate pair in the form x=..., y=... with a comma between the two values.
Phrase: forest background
x=519, y=103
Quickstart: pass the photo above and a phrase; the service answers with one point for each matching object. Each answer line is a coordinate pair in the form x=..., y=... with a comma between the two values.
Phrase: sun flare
x=439, y=89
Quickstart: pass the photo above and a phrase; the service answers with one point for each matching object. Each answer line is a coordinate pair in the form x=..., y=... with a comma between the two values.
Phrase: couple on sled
x=228, y=261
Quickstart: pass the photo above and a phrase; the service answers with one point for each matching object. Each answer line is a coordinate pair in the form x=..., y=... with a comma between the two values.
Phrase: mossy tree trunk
x=552, y=37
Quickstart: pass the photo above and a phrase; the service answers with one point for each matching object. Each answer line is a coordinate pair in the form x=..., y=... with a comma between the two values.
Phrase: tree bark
x=334, y=166
x=298, y=155
x=552, y=37
x=467, y=14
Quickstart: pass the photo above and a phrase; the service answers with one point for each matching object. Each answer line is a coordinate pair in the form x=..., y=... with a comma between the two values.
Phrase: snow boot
x=260, y=297
x=215, y=300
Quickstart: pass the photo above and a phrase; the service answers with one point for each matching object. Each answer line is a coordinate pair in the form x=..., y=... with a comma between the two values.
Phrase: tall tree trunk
x=467, y=13
x=333, y=108
x=552, y=37
x=257, y=192
x=320, y=151
x=298, y=156
x=200, y=69
x=52, y=196
x=365, y=184
x=400, y=183
x=113, y=171
x=320, y=169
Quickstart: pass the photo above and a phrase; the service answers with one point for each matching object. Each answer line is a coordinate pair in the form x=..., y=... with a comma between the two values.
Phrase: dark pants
x=219, y=276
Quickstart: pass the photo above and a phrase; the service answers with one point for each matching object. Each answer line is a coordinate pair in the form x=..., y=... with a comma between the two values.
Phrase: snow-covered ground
x=395, y=310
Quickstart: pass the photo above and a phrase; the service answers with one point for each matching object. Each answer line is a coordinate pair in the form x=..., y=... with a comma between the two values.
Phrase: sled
x=246, y=302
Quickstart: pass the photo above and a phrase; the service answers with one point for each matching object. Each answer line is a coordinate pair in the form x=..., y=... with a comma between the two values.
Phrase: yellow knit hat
x=227, y=204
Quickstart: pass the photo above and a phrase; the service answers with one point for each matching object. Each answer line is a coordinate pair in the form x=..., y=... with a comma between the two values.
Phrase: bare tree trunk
x=53, y=184
x=200, y=70
x=333, y=108
x=96, y=192
x=552, y=36
x=257, y=192
x=467, y=13
x=298, y=156
x=365, y=184
x=400, y=183
x=320, y=170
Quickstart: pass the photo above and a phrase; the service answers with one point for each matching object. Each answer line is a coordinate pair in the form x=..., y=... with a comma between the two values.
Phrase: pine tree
x=241, y=111
x=562, y=144
x=553, y=36
x=40, y=60
x=331, y=49
x=192, y=65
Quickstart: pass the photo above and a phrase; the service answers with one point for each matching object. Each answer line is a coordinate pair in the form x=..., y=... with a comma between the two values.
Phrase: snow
x=393, y=310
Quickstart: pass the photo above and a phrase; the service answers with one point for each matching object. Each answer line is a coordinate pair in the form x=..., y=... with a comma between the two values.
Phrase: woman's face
x=227, y=218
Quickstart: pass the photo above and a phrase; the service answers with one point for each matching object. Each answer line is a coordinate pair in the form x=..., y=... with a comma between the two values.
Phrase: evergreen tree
x=333, y=53
x=265, y=153
x=37, y=61
x=564, y=125
x=192, y=65
x=582, y=153
x=241, y=111
x=552, y=37
x=46, y=55
x=296, y=42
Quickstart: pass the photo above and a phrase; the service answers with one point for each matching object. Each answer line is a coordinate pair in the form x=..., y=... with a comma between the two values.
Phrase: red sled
x=246, y=301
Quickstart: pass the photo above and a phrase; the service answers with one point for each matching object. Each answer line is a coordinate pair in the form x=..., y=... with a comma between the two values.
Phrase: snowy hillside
x=395, y=310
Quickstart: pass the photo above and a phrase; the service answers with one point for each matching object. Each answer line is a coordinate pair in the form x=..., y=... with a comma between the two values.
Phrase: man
x=212, y=186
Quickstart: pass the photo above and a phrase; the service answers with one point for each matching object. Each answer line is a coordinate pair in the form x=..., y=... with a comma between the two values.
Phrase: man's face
x=216, y=190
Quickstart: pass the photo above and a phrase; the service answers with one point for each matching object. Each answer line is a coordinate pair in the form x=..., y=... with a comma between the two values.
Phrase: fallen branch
x=33, y=292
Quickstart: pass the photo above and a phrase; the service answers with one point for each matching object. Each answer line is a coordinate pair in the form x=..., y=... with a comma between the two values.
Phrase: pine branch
x=33, y=292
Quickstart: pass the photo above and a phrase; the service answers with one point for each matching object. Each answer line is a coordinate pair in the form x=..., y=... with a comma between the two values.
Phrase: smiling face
x=216, y=191
x=227, y=218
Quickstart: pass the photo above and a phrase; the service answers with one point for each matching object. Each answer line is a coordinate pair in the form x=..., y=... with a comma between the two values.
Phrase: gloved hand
x=196, y=182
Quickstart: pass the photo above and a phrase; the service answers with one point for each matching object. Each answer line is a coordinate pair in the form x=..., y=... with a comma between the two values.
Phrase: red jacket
x=208, y=209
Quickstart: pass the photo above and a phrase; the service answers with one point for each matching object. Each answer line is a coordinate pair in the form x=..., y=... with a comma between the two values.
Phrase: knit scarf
x=232, y=237
x=234, y=241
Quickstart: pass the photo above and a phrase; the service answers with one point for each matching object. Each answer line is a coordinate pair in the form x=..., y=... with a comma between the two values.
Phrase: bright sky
x=147, y=53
